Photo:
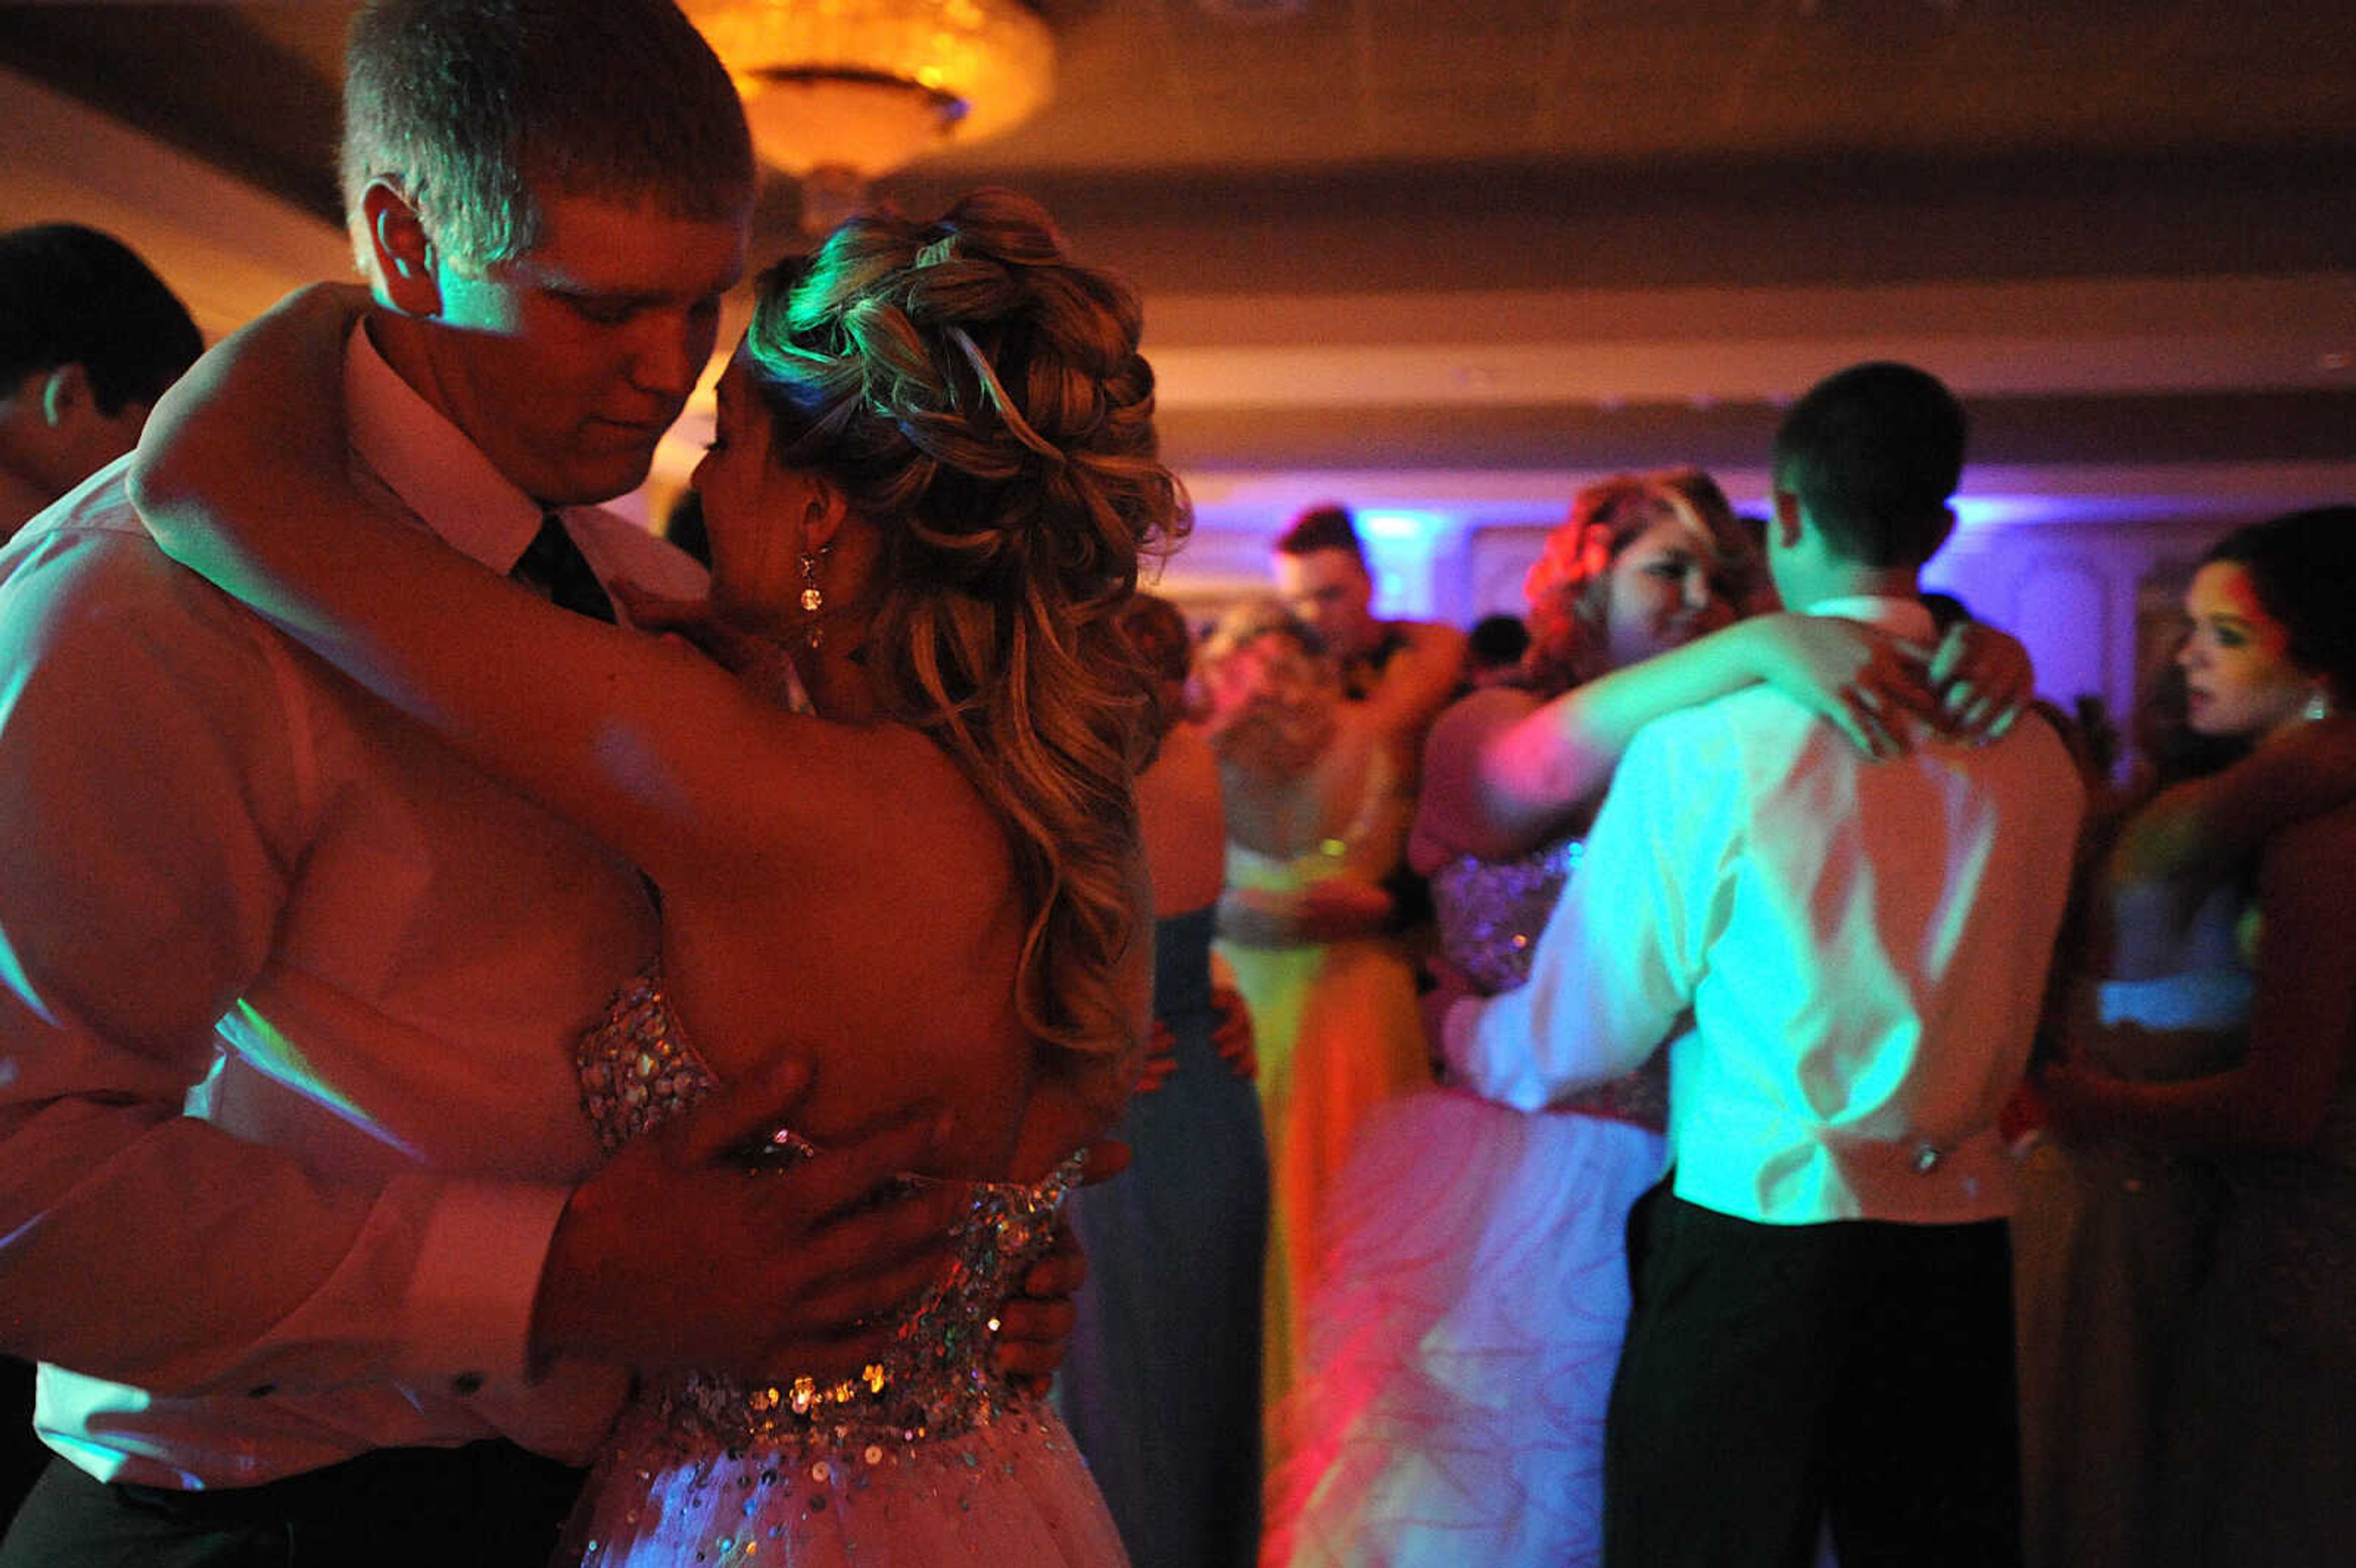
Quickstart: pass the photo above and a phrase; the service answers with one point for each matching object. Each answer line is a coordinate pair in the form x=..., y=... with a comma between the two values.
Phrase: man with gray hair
x=298, y=1206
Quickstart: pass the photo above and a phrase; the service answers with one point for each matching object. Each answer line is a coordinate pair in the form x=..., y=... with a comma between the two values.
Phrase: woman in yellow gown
x=1317, y=817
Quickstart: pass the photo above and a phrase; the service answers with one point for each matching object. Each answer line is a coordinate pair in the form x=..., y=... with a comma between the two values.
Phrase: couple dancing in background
x=1467, y=1327
x=382, y=1217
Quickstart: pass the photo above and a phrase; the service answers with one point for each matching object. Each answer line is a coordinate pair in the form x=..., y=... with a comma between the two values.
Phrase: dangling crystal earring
x=812, y=600
x=2319, y=707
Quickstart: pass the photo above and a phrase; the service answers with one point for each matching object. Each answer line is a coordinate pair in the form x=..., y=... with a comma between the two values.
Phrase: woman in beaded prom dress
x=924, y=1457
x=1465, y=1336
x=1161, y=1386
x=933, y=473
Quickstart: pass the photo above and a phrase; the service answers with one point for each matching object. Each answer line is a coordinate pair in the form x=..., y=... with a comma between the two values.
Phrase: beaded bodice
x=1491, y=914
x=638, y=1069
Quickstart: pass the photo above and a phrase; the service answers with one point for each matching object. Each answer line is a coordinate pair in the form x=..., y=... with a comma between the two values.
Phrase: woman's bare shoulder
x=1473, y=718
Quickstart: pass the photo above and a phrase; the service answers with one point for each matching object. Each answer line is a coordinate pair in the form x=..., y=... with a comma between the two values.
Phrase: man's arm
x=1618, y=962
x=153, y=785
x=1419, y=680
x=159, y=784
x=2195, y=833
x=1865, y=682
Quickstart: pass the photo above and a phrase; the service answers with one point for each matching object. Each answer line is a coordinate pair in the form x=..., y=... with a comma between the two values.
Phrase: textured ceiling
x=1172, y=85
x=1437, y=250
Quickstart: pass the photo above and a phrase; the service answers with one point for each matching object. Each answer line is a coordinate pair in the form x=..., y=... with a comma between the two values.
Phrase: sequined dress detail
x=1491, y=913
x=1462, y=1341
x=925, y=1457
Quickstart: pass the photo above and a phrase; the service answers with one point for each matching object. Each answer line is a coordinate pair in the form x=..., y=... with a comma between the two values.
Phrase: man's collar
x=430, y=463
x=1905, y=615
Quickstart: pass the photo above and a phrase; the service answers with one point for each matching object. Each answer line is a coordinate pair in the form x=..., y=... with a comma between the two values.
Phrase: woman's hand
x=1232, y=1035
x=2076, y=1099
x=1160, y=1064
x=1860, y=678
x=756, y=661
x=1983, y=679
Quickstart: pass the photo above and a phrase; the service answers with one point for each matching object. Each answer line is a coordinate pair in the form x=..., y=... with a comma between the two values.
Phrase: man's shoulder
x=1744, y=720
x=99, y=503
x=91, y=534
x=87, y=574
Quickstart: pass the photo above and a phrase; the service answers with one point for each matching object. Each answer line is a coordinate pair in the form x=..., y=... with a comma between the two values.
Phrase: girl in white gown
x=1465, y=1337
x=933, y=477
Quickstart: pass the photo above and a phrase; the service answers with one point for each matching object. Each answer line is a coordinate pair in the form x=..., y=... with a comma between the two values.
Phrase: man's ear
x=404, y=252
x=65, y=394
x=1787, y=522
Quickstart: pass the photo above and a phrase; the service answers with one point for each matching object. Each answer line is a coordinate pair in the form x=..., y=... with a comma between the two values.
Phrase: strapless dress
x=927, y=1456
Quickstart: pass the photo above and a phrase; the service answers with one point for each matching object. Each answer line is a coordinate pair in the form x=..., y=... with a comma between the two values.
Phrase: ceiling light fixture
x=840, y=92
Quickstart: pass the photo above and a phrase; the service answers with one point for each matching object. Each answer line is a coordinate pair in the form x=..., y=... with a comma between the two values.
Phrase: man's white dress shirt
x=1844, y=957
x=236, y=885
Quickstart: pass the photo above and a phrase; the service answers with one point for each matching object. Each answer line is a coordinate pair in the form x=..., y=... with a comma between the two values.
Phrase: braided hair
x=979, y=398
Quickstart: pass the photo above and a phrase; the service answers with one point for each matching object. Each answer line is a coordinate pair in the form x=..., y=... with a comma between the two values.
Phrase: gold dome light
x=839, y=92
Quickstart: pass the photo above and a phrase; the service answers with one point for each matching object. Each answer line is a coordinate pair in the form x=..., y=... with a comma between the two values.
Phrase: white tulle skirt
x=1462, y=1341
x=1011, y=1494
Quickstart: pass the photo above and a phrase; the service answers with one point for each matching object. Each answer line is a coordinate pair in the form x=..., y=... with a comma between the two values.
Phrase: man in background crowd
x=1404, y=672
x=89, y=339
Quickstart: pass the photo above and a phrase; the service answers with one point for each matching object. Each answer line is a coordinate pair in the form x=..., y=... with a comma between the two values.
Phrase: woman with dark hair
x=2240, y=1058
x=933, y=478
x=1475, y=1295
x=2112, y=1235
x=1162, y=1387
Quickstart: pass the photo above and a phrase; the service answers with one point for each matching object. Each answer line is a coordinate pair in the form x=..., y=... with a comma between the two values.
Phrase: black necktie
x=553, y=564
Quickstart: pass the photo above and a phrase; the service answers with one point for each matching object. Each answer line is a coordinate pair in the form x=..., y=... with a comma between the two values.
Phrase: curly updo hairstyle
x=1568, y=586
x=1163, y=646
x=980, y=398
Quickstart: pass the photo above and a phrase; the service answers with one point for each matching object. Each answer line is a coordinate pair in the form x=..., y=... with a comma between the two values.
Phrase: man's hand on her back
x=680, y=1254
x=1035, y=1328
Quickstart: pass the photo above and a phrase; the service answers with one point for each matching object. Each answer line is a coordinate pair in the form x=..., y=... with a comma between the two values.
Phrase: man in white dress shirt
x=298, y=1205
x=1843, y=959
